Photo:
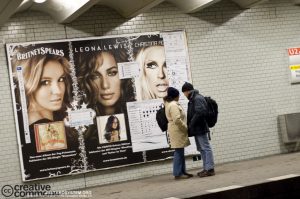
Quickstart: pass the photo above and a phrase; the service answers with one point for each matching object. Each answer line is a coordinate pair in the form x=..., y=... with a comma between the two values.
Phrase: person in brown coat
x=177, y=130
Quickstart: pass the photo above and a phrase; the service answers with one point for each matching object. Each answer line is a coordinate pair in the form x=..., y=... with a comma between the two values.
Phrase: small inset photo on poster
x=50, y=136
x=111, y=128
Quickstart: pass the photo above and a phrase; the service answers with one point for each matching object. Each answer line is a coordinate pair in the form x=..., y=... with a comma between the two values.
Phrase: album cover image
x=50, y=136
x=111, y=128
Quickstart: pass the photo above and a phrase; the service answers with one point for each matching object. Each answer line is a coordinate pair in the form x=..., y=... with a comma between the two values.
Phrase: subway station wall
x=239, y=57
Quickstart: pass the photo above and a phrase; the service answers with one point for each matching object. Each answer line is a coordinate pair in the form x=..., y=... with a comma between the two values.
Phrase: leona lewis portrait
x=98, y=78
x=111, y=128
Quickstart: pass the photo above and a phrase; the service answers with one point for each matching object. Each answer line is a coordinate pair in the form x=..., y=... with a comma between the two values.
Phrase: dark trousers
x=179, y=162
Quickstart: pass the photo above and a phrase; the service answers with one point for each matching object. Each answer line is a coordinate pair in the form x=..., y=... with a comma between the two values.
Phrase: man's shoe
x=211, y=172
x=200, y=173
x=204, y=173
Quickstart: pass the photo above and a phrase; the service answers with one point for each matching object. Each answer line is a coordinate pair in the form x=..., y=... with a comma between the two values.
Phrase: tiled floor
x=228, y=176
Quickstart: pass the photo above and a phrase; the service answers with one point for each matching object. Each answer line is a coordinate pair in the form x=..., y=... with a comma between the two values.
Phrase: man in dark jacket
x=197, y=127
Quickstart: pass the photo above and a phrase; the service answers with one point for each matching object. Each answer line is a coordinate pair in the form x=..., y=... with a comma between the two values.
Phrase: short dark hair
x=172, y=93
x=187, y=87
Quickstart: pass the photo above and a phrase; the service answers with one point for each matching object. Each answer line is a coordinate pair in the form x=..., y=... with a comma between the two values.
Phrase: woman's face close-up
x=50, y=93
x=107, y=80
x=115, y=123
x=156, y=70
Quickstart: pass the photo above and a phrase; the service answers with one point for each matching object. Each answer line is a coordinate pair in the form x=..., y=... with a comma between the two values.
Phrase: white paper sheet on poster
x=128, y=70
x=81, y=117
x=145, y=132
x=23, y=104
x=176, y=58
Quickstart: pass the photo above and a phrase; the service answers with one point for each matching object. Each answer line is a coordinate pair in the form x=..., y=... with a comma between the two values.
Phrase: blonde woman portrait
x=153, y=80
x=47, y=90
x=47, y=86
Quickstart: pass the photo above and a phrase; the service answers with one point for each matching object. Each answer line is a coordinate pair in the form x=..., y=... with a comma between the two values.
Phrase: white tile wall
x=237, y=56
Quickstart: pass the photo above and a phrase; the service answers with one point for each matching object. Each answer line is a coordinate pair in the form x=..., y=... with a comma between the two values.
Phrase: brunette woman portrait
x=98, y=77
x=112, y=129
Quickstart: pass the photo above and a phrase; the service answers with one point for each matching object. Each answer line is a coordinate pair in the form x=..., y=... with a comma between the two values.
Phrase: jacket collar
x=192, y=94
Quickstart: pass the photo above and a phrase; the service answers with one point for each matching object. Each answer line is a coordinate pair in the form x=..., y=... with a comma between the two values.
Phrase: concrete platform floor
x=228, y=175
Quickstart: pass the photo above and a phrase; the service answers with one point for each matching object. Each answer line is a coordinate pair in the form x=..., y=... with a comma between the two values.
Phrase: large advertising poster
x=90, y=104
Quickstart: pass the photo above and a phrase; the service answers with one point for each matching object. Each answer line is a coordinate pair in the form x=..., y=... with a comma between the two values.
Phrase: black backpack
x=212, y=112
x=161, y=118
